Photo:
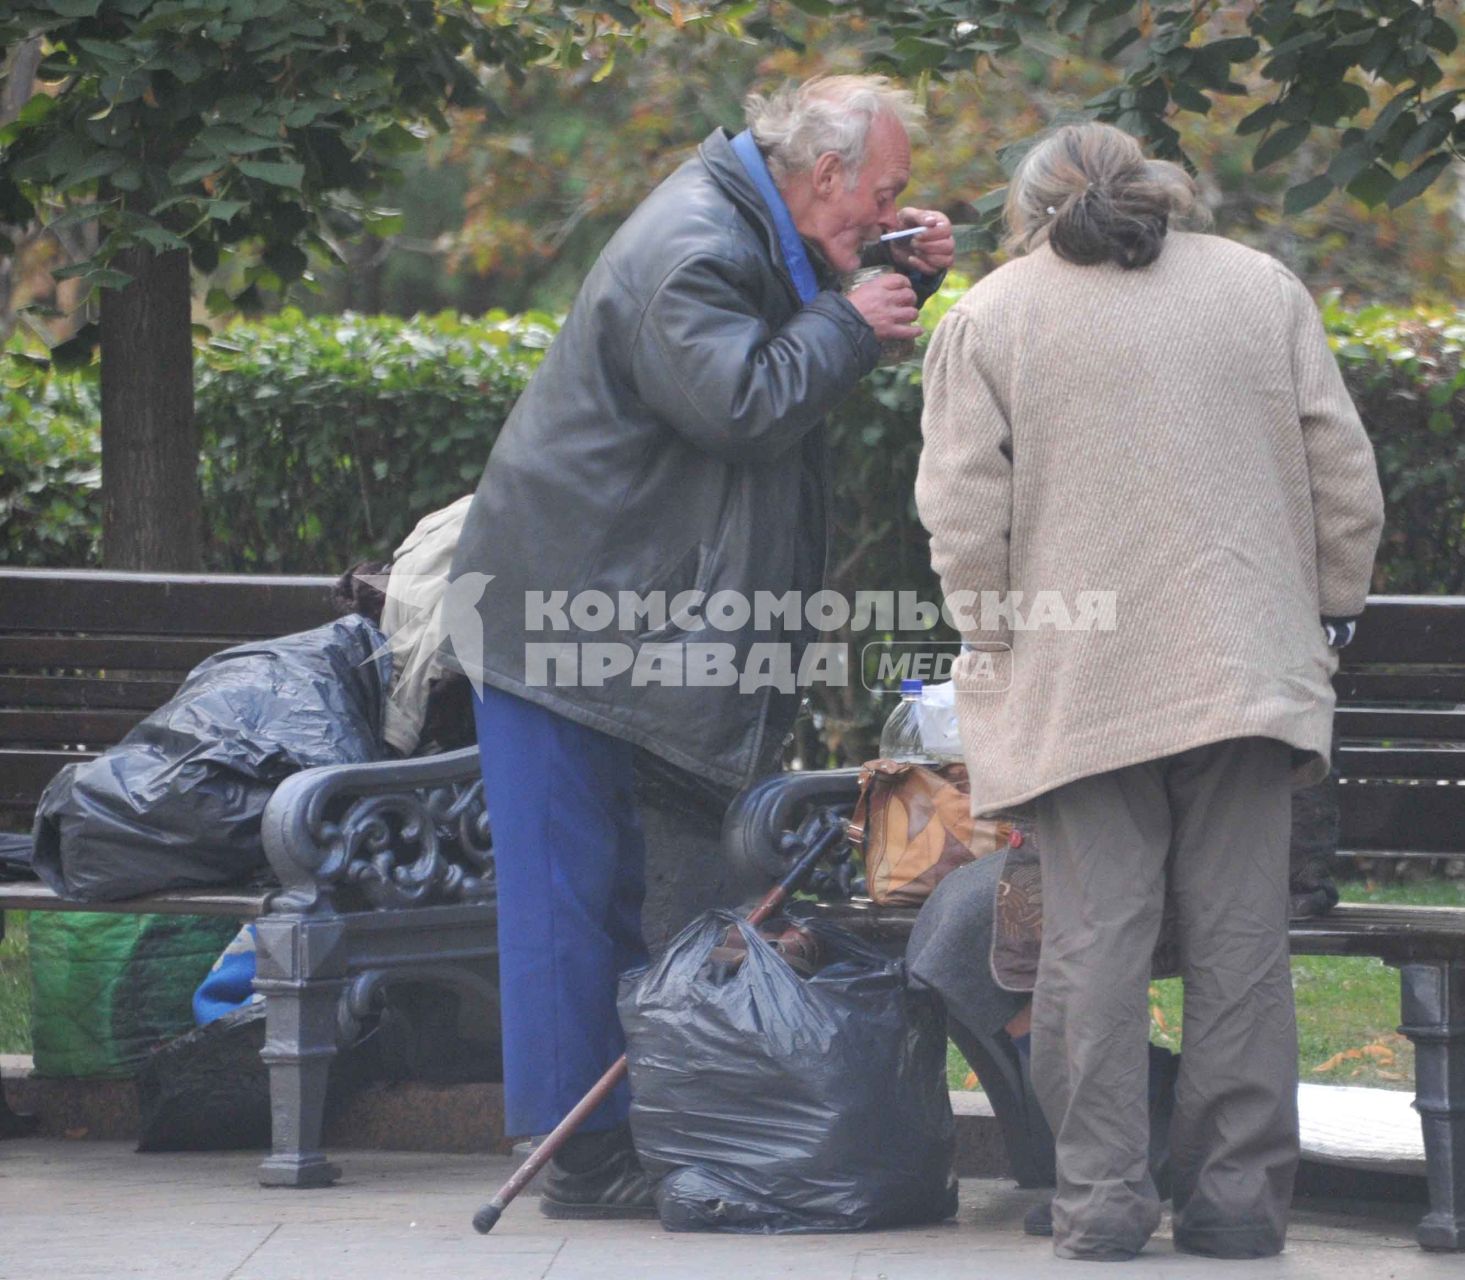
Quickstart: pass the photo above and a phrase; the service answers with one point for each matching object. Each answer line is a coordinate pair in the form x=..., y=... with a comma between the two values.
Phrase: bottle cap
x=911, y=686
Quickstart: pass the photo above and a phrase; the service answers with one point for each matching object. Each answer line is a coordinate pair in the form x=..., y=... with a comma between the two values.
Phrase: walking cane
x=825, y=832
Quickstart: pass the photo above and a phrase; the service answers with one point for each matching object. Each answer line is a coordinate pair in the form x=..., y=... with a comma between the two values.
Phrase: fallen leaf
x=1158, y=1015
x=77, y=1133
x=1336, y=1061
x=971, y=1080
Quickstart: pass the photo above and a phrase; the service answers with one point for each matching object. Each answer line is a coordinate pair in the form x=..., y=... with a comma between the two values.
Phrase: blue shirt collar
x=795, y=256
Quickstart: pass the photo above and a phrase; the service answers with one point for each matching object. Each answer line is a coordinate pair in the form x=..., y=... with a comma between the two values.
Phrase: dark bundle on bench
x=1401, y=756
x=384, y=870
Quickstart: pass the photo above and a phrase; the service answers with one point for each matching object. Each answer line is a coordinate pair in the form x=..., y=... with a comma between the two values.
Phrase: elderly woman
x=1154, y=418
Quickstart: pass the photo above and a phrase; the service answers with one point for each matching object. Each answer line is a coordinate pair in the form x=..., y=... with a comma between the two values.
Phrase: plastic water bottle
x=900, y=739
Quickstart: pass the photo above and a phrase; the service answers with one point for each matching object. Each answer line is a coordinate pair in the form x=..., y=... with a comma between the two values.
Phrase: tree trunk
x=16, y=88
x=151, y=512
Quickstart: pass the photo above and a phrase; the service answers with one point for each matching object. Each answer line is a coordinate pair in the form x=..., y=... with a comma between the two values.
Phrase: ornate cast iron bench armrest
x=386, y=874
x=396, y=833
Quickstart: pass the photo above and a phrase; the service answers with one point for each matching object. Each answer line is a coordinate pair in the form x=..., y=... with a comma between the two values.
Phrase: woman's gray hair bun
x=1089, y=191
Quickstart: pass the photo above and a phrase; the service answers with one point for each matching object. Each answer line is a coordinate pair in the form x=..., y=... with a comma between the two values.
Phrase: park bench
x=1401, y=758
x=382, y=872
x=372, y=859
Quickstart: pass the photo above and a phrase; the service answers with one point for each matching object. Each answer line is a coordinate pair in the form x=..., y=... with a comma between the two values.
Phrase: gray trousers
x=1210, y=828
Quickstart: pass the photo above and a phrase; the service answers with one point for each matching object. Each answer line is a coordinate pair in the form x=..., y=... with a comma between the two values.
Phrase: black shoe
x=603, y=1179
x=1038, y=1221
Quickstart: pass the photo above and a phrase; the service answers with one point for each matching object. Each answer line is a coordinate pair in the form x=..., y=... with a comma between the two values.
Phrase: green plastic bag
x=107, y=989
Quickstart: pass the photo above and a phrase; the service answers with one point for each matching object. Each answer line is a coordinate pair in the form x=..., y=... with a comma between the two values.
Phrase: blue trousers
x=570, y=861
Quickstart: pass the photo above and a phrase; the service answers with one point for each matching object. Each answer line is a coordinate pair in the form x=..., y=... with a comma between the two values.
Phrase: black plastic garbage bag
x=16, y=862
x=769, y=1102
x=208, y=1090
x=178, y=802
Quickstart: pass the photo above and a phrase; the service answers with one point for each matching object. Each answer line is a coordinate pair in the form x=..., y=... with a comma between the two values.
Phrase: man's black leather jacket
x=669, y=443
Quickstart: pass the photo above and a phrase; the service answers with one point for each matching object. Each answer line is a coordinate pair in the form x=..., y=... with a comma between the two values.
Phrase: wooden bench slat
x=1351, y=928
x=1399, y=686
x=64, y=728
x=103, y=601
x=24, y=774
x=84, y=692
x=98, y=653
x=32, y=895
x=1409, y=629
x=1419, y=818
x=1374, y=723
x=1401, y=762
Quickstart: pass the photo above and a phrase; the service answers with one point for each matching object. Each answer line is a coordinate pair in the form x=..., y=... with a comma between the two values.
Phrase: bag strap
x=887, y=774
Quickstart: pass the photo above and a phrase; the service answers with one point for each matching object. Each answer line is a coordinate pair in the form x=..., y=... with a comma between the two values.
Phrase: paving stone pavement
x=98, y=1210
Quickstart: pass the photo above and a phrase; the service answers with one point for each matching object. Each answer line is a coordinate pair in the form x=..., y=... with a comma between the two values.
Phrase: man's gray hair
x=800, y=122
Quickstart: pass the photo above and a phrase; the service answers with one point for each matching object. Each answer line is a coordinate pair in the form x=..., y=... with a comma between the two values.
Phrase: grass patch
x=1347, y=1006
x=15, y=987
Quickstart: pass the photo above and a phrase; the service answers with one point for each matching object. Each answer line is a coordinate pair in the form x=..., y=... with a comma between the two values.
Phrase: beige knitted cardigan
x=1178, y=436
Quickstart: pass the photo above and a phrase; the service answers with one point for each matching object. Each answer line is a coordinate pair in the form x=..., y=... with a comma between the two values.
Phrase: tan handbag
x=914, y=825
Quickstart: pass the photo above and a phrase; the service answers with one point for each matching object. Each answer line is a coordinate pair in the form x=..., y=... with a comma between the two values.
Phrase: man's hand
x=888, y=303
x=931, y=252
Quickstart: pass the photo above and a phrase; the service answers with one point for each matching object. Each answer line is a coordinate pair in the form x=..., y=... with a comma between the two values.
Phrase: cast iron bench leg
x=302, y=972
x=1433, y=1011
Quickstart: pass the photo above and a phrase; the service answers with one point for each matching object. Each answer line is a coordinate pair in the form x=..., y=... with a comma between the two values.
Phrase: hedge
x=325, y=439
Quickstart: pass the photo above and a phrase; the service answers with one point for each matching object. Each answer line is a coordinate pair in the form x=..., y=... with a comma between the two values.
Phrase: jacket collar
x=727, y=171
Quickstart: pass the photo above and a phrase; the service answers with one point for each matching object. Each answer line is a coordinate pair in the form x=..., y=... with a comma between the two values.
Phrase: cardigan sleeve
x=1347, y=504
x=964, y=481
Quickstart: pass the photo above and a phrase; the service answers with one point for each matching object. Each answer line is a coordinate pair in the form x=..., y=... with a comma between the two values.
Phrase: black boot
x=597, y=1175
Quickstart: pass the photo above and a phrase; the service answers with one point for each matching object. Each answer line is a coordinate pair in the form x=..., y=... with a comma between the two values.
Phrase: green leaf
x=106, y=51
x=1427, y=137
x=228, y=140
x=186, y=171
x=1234, y=49
x=37, y=109
x=1385, y=118
x=1416, y=183
x=88, y=273
x=99, y=165
x=76, y=8
x=1188, y=96
x=1118, y=45
x=224, y=210
x=1306, y=194
x=277, y=173
x=1339, y=102
x=160, y=239
x=1442, y=36
x=991, y=203
x=1350, y=162
x=78, y=213
x=1282, y=143
x=1258, y=119
x=1373, y=185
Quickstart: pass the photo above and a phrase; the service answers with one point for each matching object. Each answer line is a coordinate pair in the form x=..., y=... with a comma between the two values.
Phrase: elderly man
x=667, y=450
